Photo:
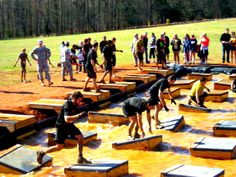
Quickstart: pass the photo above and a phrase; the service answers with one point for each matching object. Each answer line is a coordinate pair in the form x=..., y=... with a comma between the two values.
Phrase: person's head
x=81, y=43
x=171, y=79
x=151, y=104
x=136, y=36
x=68, y=44
x=162, y=36
x=40, y=42
x=109, y=42
x=153, y=34
x=193, y=37
x=104, y=38
x=233, y=33
x=63, y=43
x=114, y=40
x=95, y=46
x=23, y=50
x=203, y=81
x=175, y=36
x=77, y=97
x=145, y=34
x=227, y=30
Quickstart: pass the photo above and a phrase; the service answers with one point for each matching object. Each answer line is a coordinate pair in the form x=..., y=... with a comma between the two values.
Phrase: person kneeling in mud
x=66, y=127
x=197, y=94
x=133, y=108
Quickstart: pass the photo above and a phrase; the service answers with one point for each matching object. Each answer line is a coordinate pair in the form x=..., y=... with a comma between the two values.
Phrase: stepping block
x=71, y=141
x=232, y=76
x=92, y=95
x=144, y=79
x=217, y=148
x=223, y=84
x=198, y=76
x=163, y=72
x=114, y=119
x=182, y=170
x=184, y=84
x=225, y=128
x=111, y=168
x=173, y=124
x=14, y=122
x=131, y=85
x=175, y=92
x=21, y=160
x=117, y=86
x=217, y=96
x=191, y=108
x=146, y=144
x=52, y=104
x=151, y=76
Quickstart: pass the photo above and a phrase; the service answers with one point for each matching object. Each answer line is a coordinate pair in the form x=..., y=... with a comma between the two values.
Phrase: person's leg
x=103, y=77
x=234, y=56
x=223, y=54
x=110, y=77
x=70, y=70
x=158, y=107
x=135, y=59
x=86, y=84
x=95, y=86
x=40, y=74
x=177, y=56
x=146, y=55
x=228, y=52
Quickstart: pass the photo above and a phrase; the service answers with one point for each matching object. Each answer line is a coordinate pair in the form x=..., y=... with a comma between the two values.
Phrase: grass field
x=11, y=48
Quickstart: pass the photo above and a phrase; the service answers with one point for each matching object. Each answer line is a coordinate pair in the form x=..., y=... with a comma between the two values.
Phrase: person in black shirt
x=65, y=127
x=113, y=59
x=107, y=56
x=91, y=68
x=156, y=95
x=225, y=41
x=133, y=108
x=145, y=46
x=103, y=43
x=160, y=52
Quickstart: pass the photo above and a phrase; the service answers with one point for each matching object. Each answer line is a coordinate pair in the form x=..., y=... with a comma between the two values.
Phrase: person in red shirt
x=204, y=41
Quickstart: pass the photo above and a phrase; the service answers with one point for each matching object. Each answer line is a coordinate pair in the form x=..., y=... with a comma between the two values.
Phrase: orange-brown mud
x=174, y=149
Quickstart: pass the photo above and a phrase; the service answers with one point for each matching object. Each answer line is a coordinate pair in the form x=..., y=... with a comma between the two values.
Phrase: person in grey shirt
x=41, y=55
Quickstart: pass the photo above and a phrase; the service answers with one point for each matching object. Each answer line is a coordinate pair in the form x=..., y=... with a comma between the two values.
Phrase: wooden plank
x=173, y=124
x=232, y=76
x=121, y=87
x=16, y=121
x=223, y=84
x=92, y=95
x=21, y=160
x=114, y=119
x=146, y=144
x=136, y=78
x=217, y=96
x=198, y=76
x=151, y=76
x=71, y=141
x=175, y=92
x=191, y=108
x=217, y=148
x=163, y=72
x=52, y=104
x=184, y=84
x=225, y=128
x=181, y=170
x=111, y=168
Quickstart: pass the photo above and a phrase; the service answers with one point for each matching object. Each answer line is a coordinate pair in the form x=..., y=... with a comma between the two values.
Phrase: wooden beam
x=225, y=128
x=175, y=92
x=190, y=108
x=217, y=96
x=223, y=84
x=121, y=87
x=184, y=84
x=163, y=72
x=136, y=78
x=197, y=76
x=173, y=124
x=152, y=77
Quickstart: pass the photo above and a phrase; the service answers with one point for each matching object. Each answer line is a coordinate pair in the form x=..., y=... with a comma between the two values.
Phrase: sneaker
x=111, y=82
x=72, y=79
x=189, y=102
x=64, y=79
x=136, y=136
x=82, y=160
x=102, y=81
x=50, y=83
x=40, y=155
x=86, y=89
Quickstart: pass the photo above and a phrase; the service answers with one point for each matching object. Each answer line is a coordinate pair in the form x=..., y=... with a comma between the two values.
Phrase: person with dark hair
x=233, y=86
x=160, y=52
x=204, y=48
x=133, y=108
x=66, y=63
x=145, y=46
x=103, y=43
x=152, y=46
x=193, y=48
x=225, y=41
x=65, y=127
x=114, y=50
x=156, y=95
x=107, y=56
x=23, y=57
x=197, y=94
x=91, y=68
x=176, y=46
x=186, y=49
x=166, y=46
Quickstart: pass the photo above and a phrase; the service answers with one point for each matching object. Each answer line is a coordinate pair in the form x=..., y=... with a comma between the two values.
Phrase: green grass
x=11, y=48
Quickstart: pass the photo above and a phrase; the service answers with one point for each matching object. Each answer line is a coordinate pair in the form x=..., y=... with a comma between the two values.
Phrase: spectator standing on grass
x=204, y=48
x=193, y=48
x=225, y=41
x=176, y=46
x=23, y=57
x=114, y=50
x=152, y=47
x=139, y=50
x=160, y=52
x=41, y=55
x=233, y=47
x=133, y=50
x=166, y=46
x=186, y=49
x=145, y=46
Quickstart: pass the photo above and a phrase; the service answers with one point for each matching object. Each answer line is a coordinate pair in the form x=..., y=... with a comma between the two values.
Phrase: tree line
x=22, y=18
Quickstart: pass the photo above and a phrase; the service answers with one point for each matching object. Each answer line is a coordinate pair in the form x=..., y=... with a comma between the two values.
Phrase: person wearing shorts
x=65, y=127
x=132, y=109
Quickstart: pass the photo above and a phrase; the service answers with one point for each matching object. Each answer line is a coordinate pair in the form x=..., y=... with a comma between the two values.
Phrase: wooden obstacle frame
x=111, y=168
x=21, y=160
x=182, y=170
x=217, y=96
x=184, y=84
x=173, y=124
x=216, y=148
x=114, y=119
x=118, y=86
x=71, y=141
x=198, y=76
x=191, y=108
x=163, y=72
x=146, y=144
x=152, y=77
x=223, y=84
x=175, y=92
x=144, y=79
x=225, y=128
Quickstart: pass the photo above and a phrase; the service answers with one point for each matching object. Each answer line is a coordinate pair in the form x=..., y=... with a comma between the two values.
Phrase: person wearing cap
x=225, y=41
x=132, y=109
x=66, y=63
x=197, y=95
x=65, y=127
x=41, y=55
x=156, y=95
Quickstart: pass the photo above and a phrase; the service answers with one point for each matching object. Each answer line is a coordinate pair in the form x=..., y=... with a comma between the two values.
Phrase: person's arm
x=140, y=124
x=149, y=121
x=33, y=53
x=207, y=88
x=28, y=61
x=71, y=119
x=93, y=63
x=197, y=96
x=170, y=96
x=16, y=62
